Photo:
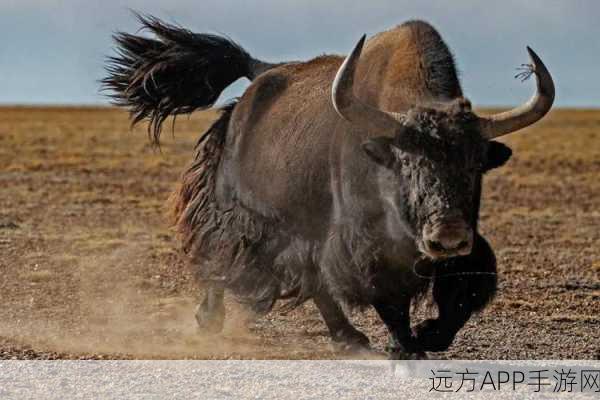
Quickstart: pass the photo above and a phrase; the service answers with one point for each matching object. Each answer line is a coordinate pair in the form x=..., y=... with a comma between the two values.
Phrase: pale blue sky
x=52, y=51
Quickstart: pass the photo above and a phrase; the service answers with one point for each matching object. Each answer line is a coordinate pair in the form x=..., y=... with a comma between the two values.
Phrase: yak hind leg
x=459, y=296
x=210, y=313
x=346, y=338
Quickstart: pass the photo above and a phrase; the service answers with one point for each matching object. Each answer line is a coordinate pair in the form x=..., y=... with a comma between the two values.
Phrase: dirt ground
x=90, y=269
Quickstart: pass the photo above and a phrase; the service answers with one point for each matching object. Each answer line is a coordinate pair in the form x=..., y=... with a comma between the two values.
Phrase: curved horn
x=532, y=111
x=349, y=107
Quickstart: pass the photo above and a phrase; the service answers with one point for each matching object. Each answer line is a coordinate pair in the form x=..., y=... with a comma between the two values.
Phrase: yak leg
x=345, y=336
x=396, y=316
x=459, y=296
x=210, y=314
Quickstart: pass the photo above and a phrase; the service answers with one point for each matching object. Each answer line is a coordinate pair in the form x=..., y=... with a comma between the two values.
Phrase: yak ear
x=498, y=154
x=380, y=150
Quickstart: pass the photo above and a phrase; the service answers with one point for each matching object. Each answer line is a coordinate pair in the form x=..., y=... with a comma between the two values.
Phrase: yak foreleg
x=345, y=336
x=462, y=286
x=395, y=314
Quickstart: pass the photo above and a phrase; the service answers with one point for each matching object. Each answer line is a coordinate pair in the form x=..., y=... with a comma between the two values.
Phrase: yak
x=350, y=181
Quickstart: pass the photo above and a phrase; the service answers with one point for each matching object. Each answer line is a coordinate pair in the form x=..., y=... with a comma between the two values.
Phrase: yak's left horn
x=532, y=111
x=351, y=108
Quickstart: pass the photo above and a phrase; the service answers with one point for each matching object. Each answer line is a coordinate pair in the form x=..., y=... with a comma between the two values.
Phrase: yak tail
x=175, y=72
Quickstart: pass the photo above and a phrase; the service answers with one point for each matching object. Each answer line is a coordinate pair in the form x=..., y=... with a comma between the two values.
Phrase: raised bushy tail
x=176, y=72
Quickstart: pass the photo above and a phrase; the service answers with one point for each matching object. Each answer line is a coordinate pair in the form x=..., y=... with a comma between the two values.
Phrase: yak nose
x=448, y=239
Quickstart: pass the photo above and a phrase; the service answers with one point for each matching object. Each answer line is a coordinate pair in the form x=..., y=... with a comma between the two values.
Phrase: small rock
x=8, y=225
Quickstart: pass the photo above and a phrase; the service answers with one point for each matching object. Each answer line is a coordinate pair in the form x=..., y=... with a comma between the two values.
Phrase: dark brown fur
x=282, y=198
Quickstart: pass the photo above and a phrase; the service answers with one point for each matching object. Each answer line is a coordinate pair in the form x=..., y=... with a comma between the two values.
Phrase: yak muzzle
x=447, y=238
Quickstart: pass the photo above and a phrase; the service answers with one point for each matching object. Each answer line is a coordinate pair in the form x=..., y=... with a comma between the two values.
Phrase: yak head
x=431, y=158
x=430, y=175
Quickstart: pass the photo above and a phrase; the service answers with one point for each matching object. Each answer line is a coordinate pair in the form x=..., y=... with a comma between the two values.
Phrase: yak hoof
x=403, y=355
x=210, y=320
x=351, y=342
x=432, y=337
x=406, y=349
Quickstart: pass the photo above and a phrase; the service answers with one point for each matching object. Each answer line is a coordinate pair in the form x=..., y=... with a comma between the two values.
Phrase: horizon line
x=217, y=106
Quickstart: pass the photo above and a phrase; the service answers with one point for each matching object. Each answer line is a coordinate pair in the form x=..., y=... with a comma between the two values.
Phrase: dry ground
x=90, y=269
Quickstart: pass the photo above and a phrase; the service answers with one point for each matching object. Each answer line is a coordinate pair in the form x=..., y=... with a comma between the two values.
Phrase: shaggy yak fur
x=286, y=199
